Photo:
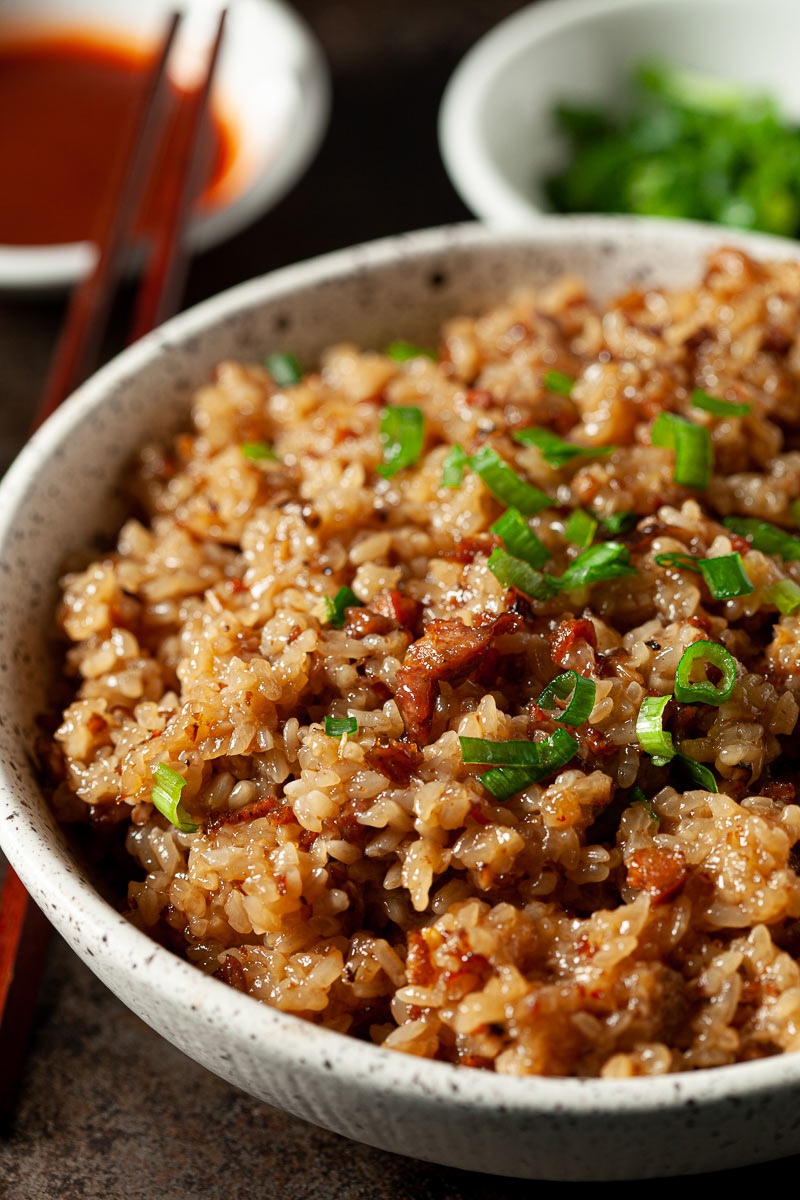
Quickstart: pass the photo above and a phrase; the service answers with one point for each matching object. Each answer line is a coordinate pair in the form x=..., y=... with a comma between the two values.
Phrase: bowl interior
x=501, y=142
x=62, y=494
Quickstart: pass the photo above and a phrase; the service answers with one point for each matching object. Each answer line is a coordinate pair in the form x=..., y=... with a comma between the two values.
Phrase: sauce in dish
x=69, y=103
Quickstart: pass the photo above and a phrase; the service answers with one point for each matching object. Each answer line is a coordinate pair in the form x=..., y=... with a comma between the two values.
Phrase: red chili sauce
x=68, y=106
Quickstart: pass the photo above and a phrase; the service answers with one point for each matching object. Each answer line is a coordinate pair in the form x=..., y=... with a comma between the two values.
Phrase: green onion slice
x=785, y=595
x=637, y=796
x=558, y=382
x=336, y=726
x=582, y=692
x=166, y=797
x=513, y=572
x=580, y=528
x=453, y=467
x=402, y=434
x=720, y=408
x=697, y=772
x=619, y=522
x=765, y=537
x=795, y=510
x=692, y=446
x=554, y=752
x=258, y=451
x=553, y=449
x=725, y=575
x=519, y=539
x=402, y=351
x=606, y=560
x=505, y=484
x=653, y=738
x=284, y=369
x=703, y=691
x=335, y=606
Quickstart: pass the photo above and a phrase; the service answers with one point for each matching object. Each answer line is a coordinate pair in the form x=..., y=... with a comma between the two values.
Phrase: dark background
x=109, y=1111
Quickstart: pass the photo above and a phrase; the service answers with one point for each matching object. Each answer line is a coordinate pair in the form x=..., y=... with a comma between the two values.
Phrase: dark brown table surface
x=107, y=1110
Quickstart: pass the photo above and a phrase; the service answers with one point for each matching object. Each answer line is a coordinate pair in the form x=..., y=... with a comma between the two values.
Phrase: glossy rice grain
x=370, y=883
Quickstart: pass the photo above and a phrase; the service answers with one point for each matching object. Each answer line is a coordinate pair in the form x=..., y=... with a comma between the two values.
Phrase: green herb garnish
x=258, y=451
x=519, y=539
x=335, y=606
x=702, y=691
x=553, y=449
x=720, y=408
x=582, y=692
x=166, y=797
x=336, y=726
x=765, y=537
x=401, y=351
x=402, y=434
x=505, y=484
x=284, y=369
x=453, y=467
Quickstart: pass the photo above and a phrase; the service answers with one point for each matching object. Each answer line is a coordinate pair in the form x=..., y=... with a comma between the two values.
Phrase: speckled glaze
x=60, y=494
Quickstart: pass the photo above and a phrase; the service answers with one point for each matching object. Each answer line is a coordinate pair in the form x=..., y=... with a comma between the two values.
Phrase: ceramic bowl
x=271, y=88
x=496, y=131
x=60, y=495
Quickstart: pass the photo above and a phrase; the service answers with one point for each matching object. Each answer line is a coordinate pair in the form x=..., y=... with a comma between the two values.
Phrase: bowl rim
x=462, y=144
x=43, y=268
x=108, y=939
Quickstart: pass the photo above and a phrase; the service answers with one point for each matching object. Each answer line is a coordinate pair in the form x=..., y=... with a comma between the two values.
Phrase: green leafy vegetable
x=335, y=606
x=725, y=575
x=258, y=451
x=580, y=528
x=582, y=692
x=513, y=572
x=705, y=654
x=606, y=560
x=505, y=781
x=284, y=369
x=336, y=726
x=505, y=484
x=166, y=797
x=403, y=435
x=553, y=449
x=453, y=467
x=519, y=539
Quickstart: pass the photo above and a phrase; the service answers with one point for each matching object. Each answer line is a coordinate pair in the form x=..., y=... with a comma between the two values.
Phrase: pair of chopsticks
x=24, y=931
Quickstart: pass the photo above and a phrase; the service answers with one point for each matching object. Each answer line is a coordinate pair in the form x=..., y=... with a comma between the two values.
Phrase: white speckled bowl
x=59, y=494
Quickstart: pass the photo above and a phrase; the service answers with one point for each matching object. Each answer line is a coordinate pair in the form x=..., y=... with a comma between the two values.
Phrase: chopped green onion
x=653, y=738
x=725, y=575
x=720, y=408
x=166, y=797
x=258, y=451
x=335, y=606
x=702, y=691
x=785, y=595
x=453, y=467
x=692, y=446
x=336, y=726
x=697, y=772
x=513, y=572
x=795, y=510
x=402, y=351
x=505, y=484
x=606, y=560
x=580, y=528
x=516, y=754
x=558, y=382
x=765, y=537
x=620, y=522
x=637, y=796
x=402, y=434
x=553, y=449
x=284, y=369
x=582, y=691
x=682, y=562
x=554, y=752
x=519, y=539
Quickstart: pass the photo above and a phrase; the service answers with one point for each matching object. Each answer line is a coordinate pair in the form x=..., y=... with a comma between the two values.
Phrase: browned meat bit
x=396, y=760
x=238, y=816
x=778, y=790
x=467, y=549
x=660, y=872
x=449, y=650
x=362, y=622
x=232, y=973
x=398, y=607
x=419, y=968
x=598, y=744
x=563, y=639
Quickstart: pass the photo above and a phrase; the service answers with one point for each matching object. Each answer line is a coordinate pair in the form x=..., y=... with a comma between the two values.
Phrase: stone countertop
x=108, y=1110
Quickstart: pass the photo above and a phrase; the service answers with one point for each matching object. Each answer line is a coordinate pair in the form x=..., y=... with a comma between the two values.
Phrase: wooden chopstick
x=24, y=931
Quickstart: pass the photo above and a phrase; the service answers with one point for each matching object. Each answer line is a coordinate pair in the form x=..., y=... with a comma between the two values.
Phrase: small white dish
x=62, y=492
x=271, y=86
x=496, y=132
